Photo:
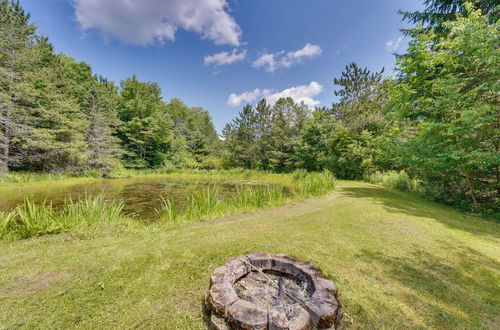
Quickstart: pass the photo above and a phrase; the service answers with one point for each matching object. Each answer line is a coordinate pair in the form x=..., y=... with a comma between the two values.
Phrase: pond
x=140, y=195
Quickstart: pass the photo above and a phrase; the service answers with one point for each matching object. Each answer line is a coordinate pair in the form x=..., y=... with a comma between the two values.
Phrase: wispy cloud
x=302, y=93
x=225, y=58
x=393, y=45
x=341, y=49
x=156, y=21
x=274, y=61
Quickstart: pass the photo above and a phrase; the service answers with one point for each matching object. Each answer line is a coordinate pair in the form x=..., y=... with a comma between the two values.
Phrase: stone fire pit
x=271, y=291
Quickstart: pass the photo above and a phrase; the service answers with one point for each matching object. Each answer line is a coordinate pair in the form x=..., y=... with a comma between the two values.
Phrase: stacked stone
x=319, y=311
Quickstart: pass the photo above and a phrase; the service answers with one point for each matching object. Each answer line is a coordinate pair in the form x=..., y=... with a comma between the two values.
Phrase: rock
x=245, y=315
x=265, y=291
x=323, y=314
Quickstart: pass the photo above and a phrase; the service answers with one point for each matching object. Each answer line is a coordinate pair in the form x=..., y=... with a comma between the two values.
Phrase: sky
x=223, y=54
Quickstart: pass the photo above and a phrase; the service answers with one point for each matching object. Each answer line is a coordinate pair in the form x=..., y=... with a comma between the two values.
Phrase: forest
x=431, y=128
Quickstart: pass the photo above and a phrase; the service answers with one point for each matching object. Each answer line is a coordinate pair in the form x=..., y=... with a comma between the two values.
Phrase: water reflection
x=139, y=195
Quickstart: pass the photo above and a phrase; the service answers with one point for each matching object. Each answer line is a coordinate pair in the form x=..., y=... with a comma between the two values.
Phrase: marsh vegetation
x=52, y=207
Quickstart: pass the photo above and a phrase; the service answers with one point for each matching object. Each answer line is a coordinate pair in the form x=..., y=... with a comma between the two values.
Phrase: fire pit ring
x=271, y=291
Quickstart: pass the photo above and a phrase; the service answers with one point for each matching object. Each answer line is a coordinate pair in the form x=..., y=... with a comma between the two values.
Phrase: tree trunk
x=471, y=188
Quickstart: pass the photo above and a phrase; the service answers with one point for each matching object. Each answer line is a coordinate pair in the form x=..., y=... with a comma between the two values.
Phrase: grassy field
x=399, y=262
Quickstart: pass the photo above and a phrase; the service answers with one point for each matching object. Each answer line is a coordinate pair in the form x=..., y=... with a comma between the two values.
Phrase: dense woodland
x=435, y=122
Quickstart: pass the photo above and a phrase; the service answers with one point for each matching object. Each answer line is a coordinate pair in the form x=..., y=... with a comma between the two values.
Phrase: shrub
x=396, y=180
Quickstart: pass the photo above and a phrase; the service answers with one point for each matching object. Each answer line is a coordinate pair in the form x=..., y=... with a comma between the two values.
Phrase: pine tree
x=16, y=37
x=437, y=12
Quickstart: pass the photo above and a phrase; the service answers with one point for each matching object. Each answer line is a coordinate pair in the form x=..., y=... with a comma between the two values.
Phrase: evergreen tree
x=362, y=95
x=437, y=12
x=102, y=145
x=146, y=129
x=17, y=35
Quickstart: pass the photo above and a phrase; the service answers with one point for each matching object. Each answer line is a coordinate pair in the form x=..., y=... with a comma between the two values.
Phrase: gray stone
x=245, y=315
x=221, y=296
x=323, y=314
x=260, y=304
x=218, y=323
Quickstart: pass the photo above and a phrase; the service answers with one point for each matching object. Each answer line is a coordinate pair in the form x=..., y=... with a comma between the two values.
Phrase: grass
x=257, y=190
x=399, y=262
x=36, y=219
x=396, y=180
x=208, y=203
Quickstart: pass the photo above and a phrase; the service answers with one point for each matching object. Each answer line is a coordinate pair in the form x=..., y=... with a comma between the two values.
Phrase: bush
x=395, y=180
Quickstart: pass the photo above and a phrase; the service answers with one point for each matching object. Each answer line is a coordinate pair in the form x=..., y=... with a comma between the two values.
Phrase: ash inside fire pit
x=270, y=288
x=264, y=291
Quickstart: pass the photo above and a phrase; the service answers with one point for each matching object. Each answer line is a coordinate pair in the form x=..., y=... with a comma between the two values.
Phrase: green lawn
x=398, y=261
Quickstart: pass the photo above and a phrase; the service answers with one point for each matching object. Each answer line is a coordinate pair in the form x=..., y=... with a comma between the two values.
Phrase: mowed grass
x=399, y=262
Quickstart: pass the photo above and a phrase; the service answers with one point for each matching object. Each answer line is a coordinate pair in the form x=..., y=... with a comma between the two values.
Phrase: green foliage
x=437, y=12
x=395, y=180
x=35, y=219
x=266, y=138
x=314, y=183
x=203, y=203
x=208, y=201
x=57, y=116
x=91, y=211
x=448, y=91
x=168, y=210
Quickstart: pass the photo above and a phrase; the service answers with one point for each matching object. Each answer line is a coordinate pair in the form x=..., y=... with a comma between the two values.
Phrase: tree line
x=437, y=118
x=56, y=115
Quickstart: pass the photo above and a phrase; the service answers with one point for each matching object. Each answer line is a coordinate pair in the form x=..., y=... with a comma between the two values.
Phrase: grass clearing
x=399, y=262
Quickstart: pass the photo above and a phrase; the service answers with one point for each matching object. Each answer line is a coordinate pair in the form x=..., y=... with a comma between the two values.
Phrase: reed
x=314, y=183
x=35, y=219
x=91, y=211
x=204, y=203
x=168, y=210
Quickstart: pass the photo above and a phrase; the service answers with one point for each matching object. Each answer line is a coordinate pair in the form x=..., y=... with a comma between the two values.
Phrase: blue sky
x=220, y=54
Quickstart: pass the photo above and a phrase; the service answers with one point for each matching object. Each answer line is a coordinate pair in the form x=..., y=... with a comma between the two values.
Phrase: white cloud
x=235, y=100
x=303, y=93
x=156, y=21
x=225, y=58
x=393, y=45
x=274, y=61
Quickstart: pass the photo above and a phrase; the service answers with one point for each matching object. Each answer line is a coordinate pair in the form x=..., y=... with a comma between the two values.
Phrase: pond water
x=140, y=196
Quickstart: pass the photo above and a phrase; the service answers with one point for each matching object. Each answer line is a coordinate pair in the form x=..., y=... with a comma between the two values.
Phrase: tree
x=362, y=96
x=146, y=129
x=449, y=90
x=16, y=37
x=102, y=145
x=437, y=12
x=240, y=137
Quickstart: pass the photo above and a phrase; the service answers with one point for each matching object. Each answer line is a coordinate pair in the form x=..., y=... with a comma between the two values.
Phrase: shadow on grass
x=456, y=292
x=415, y=206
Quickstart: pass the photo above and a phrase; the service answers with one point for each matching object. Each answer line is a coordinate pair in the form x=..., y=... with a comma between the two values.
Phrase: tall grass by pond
x=207, y=202
x=36, y=219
